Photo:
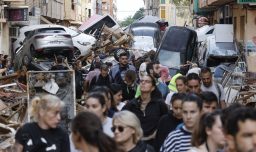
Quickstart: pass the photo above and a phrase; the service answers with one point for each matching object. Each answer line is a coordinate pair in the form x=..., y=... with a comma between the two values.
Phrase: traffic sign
x=246, y=1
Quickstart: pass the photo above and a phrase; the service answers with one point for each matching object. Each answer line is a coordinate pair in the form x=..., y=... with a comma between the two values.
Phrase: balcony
x=206, y=4
x=218, y=2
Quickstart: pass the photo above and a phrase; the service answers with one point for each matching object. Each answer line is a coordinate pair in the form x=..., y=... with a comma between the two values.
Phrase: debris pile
x=13, y=107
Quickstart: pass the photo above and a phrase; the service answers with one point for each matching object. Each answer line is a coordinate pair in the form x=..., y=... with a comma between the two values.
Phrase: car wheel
x=77, y=53
x=25, y=60
x=32, y=51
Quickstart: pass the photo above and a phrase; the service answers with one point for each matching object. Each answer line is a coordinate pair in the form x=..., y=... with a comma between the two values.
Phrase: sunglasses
x=119, y=128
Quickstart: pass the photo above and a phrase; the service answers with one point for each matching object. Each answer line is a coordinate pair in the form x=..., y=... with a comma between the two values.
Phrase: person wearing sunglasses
x=148, y=108
x=128, y=132
x=88, y=135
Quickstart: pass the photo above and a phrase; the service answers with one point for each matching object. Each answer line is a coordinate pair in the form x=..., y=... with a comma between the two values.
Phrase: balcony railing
x=213, y=3
x=218, y=2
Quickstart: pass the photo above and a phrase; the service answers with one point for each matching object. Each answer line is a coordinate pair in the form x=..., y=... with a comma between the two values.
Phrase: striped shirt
x=177, y=141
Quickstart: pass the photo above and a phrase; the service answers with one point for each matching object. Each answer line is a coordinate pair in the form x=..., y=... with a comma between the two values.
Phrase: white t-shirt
x=168, y=98
x=213, y=88
x=107, y=124
x=142, y=70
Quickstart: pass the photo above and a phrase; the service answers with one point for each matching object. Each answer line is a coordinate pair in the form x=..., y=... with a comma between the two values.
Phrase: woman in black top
x=170, y=121
x=43, y=134
x=147, y=108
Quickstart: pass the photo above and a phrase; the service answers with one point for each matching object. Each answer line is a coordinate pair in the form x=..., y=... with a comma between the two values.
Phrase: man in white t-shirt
x=209, y=85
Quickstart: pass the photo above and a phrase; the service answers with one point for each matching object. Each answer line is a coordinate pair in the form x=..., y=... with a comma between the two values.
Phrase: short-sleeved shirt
x=214, y=88
x=35, y=139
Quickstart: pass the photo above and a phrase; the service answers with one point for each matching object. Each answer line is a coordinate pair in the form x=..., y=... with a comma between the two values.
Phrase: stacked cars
x=45, y=41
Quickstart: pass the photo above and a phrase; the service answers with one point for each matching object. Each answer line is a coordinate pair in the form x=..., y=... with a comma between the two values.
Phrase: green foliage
x=181, y=2
x=129, y=20
x=139, y=14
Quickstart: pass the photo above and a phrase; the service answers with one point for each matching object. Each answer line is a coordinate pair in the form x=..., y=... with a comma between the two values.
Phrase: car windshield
x=51, y=30
x=223, y=49
x=169, y=58
x=145, y=43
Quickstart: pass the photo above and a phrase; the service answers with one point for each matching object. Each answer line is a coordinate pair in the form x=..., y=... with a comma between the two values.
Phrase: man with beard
x=209, y=85
x=153, y=69
x=241, y=130
x=117, y=72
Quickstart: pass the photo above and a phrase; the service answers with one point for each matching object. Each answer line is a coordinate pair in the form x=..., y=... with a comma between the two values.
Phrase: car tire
x=25, y=60
x=77, y=53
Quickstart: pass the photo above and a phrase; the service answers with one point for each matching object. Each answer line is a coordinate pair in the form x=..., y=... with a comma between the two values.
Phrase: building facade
x=174, y=15
x=109, y=7
x=152, y=7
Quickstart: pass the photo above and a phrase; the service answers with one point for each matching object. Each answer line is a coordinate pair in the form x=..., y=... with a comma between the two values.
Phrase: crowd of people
x=141, y=109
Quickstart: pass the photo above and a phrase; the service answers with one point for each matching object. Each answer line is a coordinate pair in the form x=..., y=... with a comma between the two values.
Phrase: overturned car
x=219, y=47
x=178, y=46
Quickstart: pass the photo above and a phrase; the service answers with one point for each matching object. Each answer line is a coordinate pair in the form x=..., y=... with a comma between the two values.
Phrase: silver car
x=45, y=44
x=48, y=38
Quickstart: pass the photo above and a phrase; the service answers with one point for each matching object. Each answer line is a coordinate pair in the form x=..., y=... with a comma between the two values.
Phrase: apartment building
x=109, y=7
x=152, y=7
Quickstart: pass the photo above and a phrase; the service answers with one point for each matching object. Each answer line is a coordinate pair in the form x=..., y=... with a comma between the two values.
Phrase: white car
x=82, y=42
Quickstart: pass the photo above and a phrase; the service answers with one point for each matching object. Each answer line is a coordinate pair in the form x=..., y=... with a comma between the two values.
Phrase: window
x=162, y=1
x=162, y=14
x=89, y=13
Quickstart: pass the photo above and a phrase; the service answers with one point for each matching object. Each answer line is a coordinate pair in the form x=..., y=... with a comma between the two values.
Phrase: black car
x=179, y=45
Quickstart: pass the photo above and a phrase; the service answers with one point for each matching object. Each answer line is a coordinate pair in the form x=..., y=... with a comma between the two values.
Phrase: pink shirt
x=92, y=74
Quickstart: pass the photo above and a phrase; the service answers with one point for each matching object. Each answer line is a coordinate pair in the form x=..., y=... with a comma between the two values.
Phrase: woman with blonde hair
x=43, y=134
x=128, y=132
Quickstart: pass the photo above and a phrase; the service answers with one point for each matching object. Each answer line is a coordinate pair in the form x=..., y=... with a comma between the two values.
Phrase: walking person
x=88, y=135
x=117, y=93
x=117, y=72
x=102, y=79
x=180, y=139
x=79, y=81
x=43, y=134
x=128, y=132
x=147, y=108
x=170, y=121
x=95, y=103
x=209, y=85
x=241, y=131
x=208, y=135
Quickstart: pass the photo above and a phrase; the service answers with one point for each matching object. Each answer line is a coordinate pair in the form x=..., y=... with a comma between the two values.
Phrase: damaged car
x=44, y=44
x=178, y=46
x=219, y=47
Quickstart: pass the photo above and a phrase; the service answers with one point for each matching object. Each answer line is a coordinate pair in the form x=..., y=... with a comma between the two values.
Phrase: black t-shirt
x=167, y=124
x=35, y=139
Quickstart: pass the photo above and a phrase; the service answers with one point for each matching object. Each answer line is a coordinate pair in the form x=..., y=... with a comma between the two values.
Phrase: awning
x=45, y=20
